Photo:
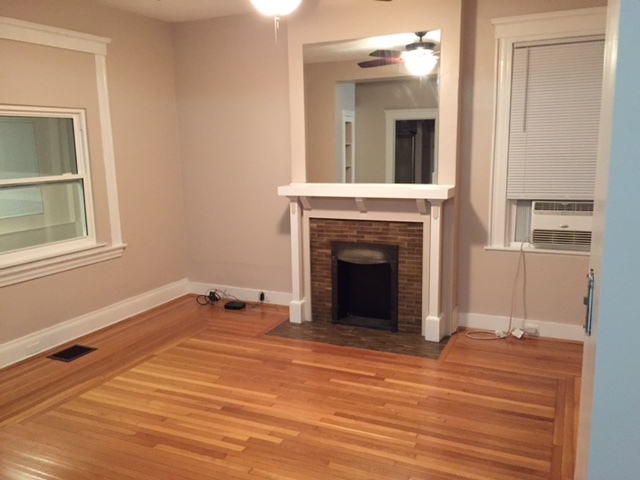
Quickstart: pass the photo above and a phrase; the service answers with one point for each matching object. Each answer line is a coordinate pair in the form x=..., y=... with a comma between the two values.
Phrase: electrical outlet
x=531, y=330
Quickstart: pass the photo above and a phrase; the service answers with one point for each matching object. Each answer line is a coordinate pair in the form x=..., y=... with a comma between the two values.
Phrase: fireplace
x=406, y=238
x=410, y=216
x=364, y=279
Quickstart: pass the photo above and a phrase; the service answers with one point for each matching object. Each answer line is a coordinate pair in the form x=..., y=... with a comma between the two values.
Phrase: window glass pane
x=62, y=216
x=20, y=202
x=36, y=147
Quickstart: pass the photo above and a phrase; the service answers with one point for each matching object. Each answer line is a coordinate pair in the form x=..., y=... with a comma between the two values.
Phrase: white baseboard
x=455, y=321
x=561, y=331
x=244, y=294
x=34, y=343
x=433, y=328
x=296, y=307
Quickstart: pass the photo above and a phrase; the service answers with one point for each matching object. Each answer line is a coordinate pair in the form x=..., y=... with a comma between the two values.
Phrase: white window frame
x=511, y=30
x=83, y=174
x=32, y=263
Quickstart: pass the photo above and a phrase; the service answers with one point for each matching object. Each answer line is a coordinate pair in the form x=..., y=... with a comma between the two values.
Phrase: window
x=55, y=214
x=44, y=184
x=546, y=131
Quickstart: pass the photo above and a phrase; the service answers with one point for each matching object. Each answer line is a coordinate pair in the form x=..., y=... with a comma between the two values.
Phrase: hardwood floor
x=195, y=392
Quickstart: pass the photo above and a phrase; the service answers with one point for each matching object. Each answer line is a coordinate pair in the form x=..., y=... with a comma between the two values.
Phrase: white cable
x=498, y=335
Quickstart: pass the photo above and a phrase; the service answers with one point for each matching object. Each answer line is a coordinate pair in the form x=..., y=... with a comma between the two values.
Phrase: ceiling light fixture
x=275, y=8
x=420, y=61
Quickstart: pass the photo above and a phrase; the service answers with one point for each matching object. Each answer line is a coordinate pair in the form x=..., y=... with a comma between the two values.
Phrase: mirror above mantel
x=328, y=23
x=377, y=124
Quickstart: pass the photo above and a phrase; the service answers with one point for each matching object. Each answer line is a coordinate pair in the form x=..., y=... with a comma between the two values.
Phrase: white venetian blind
x=554, y=121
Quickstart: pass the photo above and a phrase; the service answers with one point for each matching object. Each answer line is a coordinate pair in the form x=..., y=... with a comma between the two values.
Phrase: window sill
x=529, y=249
x=51, y=265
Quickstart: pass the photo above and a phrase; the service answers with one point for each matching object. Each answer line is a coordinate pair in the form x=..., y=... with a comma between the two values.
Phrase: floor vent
x=71, y=353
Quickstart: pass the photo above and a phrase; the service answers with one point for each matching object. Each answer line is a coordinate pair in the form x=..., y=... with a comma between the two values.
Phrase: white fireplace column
x=296, y=307
x=433, y=327
x=370, y=202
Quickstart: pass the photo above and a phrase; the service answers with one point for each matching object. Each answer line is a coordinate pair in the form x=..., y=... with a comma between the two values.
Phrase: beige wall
x=232, y=86
x=320, y=120
x=144, y=117
x=555, y=283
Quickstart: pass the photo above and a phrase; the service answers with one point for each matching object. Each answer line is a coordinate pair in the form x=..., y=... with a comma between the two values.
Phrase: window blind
x=554, y=120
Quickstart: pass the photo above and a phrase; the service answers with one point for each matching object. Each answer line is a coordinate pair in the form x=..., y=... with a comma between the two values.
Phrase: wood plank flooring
x=196, y=392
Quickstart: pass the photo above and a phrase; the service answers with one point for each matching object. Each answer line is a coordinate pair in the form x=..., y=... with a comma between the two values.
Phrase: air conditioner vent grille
x=560, y=238
x=563, y=208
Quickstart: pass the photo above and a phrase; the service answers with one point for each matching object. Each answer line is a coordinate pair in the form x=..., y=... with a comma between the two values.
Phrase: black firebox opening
x=365, y=285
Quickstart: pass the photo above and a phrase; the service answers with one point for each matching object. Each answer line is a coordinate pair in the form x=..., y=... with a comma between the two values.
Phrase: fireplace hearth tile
x=400, y=343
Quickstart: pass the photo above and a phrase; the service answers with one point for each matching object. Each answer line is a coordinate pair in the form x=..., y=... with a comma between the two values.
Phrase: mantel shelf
x=368, y=190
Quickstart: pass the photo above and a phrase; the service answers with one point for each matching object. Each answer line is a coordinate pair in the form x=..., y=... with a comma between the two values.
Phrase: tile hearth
x=366, y=338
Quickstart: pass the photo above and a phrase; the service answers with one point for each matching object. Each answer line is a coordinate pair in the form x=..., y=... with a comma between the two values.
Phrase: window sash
x=62, y=217
x=37, y=145
x=60, y=226
x=554, y=119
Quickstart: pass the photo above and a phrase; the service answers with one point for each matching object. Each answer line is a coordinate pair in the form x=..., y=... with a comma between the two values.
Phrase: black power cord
x=210, y=298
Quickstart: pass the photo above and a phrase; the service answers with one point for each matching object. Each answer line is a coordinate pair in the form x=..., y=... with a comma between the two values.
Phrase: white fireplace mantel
x=367, y=190
x=390, y=202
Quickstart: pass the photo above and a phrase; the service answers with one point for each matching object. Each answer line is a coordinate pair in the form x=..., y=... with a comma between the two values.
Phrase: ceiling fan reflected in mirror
x=419, y=57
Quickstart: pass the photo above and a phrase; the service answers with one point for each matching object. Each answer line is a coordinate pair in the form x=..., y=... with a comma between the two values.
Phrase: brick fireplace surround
x=408, y=237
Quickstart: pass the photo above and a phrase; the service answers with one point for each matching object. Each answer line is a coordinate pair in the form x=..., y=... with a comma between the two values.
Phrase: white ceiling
x=360, y=48
x=181, y=10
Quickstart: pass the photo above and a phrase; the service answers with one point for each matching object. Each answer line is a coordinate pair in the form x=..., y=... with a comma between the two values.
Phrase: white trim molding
x=102, y=249
x=62, y=262
x=108, y=153
x=560, y=331
x=37, y=342
x=27, y=32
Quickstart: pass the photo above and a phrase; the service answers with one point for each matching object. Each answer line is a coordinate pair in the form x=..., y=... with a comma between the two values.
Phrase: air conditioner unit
x=561, y=224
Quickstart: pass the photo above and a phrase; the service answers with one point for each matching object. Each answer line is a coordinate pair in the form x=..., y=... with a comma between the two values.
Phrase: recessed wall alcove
x=431, y=206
